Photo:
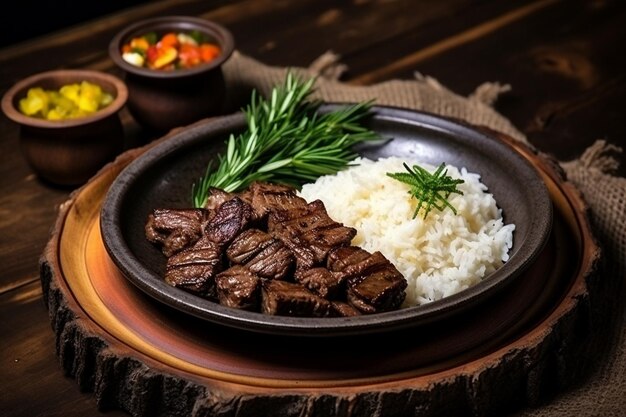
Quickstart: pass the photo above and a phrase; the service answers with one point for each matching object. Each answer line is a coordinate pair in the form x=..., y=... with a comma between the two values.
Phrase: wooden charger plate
x=137, y=354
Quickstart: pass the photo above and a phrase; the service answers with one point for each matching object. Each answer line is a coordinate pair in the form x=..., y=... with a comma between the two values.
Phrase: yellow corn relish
x=70, y=101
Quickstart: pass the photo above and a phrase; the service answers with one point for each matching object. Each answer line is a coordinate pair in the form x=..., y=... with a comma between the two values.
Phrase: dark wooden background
x=27, y=19
x=564, y=60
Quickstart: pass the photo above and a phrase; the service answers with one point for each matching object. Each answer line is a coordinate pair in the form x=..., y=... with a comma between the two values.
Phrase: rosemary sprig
x=430, y=190
x=286, y=141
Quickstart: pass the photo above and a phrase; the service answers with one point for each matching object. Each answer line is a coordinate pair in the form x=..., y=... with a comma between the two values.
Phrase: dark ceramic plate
x=162, y=178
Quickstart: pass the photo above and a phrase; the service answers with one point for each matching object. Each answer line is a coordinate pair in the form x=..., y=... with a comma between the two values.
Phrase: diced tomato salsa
x=171, y=51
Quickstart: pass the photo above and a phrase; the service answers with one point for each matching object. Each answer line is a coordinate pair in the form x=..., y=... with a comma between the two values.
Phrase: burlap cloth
x=603, y=391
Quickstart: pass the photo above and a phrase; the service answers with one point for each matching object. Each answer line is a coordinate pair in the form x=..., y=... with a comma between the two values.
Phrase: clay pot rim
x=222, y=35
x=74, y=75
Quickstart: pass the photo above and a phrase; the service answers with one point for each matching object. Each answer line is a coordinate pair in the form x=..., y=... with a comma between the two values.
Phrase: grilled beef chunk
x=340, y=258
x=340, y=309
x=230, y=219
x=309, y=232
x=217, y=197
x=175, y=229
x=262, y=254
x=321, y=281
x=194, y=269
x=305, y=258
x=373, y=283
x=274, y=262
x=357, y=271
x=381, y=290
x=247, y=245
x=261, y=196
x=237, y=287
x=265, y=197
x=284, y=298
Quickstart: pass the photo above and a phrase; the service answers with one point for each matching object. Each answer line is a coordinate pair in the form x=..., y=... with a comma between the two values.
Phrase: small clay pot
x=68, y=152
x=161, y=100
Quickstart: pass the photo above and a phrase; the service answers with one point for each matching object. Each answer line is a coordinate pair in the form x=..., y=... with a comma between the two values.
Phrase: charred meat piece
x=230, y=219
x=284, y=298
x=341, y=309
x=194, y=269
x=265, y=197
x=262, y=254
x=304, y=255
x=261, y=196
x=357, y=271
x=321, y=281
x=301, y=219
x=247, y=245
x=237, y=287
x=340, y=258
x=309, y=232
x=323, y=240
x=381, y=290
x=175, y=229
x=217, y=197
x=274, y=262
x=373, y=283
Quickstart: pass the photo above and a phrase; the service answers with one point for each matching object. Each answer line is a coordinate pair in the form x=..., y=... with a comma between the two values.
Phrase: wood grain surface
x=562, y=59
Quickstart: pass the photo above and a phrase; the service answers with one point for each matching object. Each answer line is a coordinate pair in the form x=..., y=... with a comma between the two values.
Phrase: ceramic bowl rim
x=223, y=35
x=8, y=106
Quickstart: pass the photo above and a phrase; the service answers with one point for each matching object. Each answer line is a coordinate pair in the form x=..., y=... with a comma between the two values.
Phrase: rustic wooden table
x=562, y=59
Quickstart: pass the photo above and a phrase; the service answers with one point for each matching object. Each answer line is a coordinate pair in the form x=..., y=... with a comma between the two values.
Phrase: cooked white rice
x=439, y=256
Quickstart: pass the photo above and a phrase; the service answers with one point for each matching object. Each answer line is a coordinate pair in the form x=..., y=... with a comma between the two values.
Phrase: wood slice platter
x=141, y=356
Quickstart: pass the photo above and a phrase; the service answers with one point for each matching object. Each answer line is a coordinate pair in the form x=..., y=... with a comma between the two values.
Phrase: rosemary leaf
x=430, y=190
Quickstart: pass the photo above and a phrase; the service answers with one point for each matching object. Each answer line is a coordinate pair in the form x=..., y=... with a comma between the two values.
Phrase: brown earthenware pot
x=161, y=100
x=68, y=152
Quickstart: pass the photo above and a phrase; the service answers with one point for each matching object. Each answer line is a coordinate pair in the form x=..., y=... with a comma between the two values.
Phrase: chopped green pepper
x=151, y=37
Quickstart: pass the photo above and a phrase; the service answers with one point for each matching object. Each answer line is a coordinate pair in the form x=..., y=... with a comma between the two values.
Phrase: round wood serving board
x=148, y=359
